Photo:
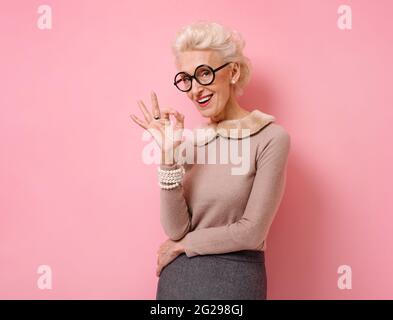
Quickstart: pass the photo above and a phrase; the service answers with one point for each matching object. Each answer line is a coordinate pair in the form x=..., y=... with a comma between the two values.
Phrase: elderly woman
x=217, y=220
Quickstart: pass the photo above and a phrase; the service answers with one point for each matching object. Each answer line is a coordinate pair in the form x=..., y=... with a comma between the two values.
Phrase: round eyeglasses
x=203, y=74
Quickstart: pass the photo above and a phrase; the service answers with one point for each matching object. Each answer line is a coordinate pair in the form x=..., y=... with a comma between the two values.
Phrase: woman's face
x=221, y=88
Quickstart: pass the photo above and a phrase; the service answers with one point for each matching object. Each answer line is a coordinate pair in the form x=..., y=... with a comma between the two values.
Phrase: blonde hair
x=205, y=35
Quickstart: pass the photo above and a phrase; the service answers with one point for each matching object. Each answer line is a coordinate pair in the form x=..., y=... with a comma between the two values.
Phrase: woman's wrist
x=167, y=158
x=180, y=248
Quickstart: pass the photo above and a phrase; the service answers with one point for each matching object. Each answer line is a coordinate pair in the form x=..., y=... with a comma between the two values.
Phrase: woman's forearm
x=174, y=214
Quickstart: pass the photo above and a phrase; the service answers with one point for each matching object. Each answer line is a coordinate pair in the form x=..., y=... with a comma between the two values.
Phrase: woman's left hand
x=167, y=252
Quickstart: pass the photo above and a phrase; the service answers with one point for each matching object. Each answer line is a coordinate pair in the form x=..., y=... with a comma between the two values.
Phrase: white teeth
x=204, y=99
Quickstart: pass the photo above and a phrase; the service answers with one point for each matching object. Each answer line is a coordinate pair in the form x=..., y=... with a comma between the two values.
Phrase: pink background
x=76, y=195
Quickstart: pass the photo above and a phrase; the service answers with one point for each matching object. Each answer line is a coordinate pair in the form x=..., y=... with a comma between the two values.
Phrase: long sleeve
x=174, y=214
x=250, y=231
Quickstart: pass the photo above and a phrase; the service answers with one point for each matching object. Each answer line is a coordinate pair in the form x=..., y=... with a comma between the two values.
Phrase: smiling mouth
x=205, y=101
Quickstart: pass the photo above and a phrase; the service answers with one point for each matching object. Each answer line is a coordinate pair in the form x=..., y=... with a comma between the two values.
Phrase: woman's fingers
x=178, y=127
x=177, y=132
x=158, y=271
x=138, y=121
x=158, y=128
x=178, y=116
x=144, y=110
x=179, y=119
x=159, y=265
x=165, y=114
x=154, y=102
x=166, y=254
x=153, y=129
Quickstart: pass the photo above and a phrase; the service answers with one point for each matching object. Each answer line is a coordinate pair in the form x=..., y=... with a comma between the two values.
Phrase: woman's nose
x=196, y=88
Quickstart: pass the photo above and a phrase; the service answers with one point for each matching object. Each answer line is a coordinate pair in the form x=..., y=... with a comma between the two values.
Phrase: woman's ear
x=235, y=72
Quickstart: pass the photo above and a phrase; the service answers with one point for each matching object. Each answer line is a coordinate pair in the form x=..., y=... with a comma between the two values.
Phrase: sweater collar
x=254, y=121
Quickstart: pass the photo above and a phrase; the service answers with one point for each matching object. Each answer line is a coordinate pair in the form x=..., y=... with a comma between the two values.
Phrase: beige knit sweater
x=222, y=206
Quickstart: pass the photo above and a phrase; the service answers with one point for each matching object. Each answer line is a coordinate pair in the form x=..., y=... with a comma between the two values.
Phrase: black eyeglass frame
x=194, y=77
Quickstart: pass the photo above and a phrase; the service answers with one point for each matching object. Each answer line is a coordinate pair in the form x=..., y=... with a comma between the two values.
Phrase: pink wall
x=75, y=194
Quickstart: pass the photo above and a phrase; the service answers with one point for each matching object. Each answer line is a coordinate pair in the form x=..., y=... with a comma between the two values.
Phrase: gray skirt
x=239, y=275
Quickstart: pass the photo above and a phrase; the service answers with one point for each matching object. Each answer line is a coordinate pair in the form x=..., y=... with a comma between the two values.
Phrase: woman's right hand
x=167, y=138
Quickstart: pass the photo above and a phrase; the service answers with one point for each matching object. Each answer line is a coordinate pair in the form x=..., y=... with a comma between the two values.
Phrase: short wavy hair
x=206, y=35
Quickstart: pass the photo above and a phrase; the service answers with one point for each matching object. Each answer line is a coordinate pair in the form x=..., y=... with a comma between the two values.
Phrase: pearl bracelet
x=181, y=169
x=170, y=178
x=168, y=186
